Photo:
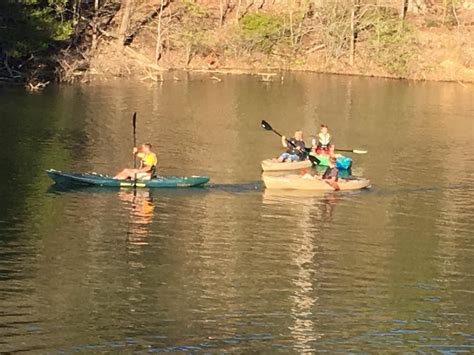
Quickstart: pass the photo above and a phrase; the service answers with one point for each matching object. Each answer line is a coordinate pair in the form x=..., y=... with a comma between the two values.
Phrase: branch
x=147, y=18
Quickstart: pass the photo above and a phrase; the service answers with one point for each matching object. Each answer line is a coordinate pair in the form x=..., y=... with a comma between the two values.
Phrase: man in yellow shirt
x=147, y=167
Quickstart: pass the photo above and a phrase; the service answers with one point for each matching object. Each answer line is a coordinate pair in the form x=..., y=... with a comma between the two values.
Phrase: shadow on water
x=156, y=344
x=254, y=186
x=234, y=188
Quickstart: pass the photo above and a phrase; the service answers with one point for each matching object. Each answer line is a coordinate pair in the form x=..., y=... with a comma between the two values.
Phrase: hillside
x=145, y=38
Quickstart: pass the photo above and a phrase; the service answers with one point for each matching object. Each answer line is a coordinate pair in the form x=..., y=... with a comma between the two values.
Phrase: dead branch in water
x=36, y=87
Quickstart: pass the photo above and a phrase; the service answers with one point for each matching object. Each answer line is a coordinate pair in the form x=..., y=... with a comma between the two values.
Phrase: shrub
x=390, y=41
x=261, y=31
x=30, y=26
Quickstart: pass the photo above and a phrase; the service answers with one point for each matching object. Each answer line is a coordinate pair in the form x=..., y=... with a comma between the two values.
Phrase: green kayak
x=93, y=179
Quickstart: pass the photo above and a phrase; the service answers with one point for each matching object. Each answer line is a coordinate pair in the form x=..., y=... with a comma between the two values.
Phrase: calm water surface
x=233, y=267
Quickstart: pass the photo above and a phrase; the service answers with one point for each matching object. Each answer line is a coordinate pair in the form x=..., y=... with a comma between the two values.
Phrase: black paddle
x=268, y=127
x=134, y=124
x=313, y=159
x=265, y=125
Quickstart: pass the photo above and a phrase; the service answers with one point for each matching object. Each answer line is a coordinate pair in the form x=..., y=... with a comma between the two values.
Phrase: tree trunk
x=127, y=11
x=158, y=37
x=291, y=28
x=237, y=12
x=403, y=9
x=221, y=13
x=94, y=25
x=353, y=34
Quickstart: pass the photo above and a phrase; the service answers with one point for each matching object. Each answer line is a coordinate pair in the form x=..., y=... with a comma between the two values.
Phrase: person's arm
x=284, y=142
x=145, y=168
x=333, y=180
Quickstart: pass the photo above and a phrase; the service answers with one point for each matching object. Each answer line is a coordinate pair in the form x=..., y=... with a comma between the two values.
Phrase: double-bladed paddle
x=355, y=151
x=265, y=125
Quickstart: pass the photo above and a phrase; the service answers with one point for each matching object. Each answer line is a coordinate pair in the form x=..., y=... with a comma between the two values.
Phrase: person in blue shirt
x=296, y=148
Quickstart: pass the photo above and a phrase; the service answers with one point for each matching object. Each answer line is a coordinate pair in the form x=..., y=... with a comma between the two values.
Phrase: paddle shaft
x=357, y=151
x=286, y=139
x=134, y=125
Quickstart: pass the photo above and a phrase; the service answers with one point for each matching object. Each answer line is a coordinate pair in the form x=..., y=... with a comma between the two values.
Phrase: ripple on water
x=233, y=267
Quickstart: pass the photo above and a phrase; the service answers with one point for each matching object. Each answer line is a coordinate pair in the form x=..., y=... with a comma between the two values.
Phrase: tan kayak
x=307, y=182
x=271, y=165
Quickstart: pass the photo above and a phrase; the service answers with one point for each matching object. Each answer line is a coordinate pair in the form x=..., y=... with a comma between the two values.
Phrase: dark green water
x=233, y=267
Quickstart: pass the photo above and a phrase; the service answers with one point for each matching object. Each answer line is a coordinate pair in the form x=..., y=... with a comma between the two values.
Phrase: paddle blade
x=266, y=125
x=314, y=160
x=134, y=121
x=356, y=151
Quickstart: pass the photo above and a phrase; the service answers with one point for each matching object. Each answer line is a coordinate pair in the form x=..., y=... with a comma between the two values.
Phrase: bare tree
x=221, y=12
x=127, y=11
x=94, y=25
x=403, y=9
x=353, y=32
x=158, y=37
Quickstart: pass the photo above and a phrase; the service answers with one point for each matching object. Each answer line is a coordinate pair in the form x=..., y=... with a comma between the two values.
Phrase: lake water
x=233, y=267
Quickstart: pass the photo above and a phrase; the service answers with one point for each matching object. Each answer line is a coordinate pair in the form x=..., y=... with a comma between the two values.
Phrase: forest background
x=82, y=40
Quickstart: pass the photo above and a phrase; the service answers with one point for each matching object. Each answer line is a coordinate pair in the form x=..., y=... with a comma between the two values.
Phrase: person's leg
x=120, y=174
x=143, y=176
x=283, y=157
x=293, y=157
x=125, y=174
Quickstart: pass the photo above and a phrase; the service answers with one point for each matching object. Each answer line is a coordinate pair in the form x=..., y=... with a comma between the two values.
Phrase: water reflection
x=141, y=208
x=233, y=267
x=319, y=205
x=312, y=216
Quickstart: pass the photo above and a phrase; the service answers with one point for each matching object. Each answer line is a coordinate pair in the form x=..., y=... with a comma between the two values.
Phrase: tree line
x=38, y=38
